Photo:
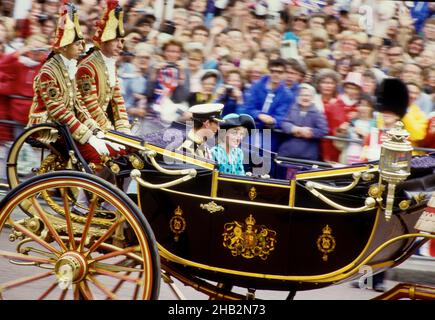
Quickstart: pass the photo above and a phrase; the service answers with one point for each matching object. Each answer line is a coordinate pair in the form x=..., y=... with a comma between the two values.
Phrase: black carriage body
x=313, y=230
x=274, y=234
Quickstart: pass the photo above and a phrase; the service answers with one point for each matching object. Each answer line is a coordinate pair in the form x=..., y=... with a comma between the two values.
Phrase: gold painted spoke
x=115, y=253
x=48, y=291
x=84, y=289
x=136, y=289
x=21, y=281
x=41, y=252
x=76, y=292
x=24, y=257
x=48, y=224
x=119, y=284
x=100, y=286
x=69, y=227
x=104, y=237
x=33, y=236
x=88, y=223
x=63, y=294
x=114, y=275
x=115, y=268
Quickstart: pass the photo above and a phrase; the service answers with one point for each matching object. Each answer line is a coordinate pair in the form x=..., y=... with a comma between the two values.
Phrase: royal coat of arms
x=248, y=239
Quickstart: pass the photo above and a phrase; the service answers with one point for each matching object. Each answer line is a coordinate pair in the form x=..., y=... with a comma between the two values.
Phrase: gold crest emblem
x=326, y=242
x=212, y=207
x=177, y=223
x=86, y=85
x=248, y=239
x=252, y=193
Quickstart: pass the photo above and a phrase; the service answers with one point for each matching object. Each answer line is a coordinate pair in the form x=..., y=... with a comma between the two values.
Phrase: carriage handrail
x=370, y=202
x=152, y=154
x=356, y=178
x=136, y=175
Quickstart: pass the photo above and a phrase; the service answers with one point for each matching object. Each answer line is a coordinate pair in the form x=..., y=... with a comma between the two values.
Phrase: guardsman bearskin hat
x=393, y=96
x=68, y=28
x=111, y=26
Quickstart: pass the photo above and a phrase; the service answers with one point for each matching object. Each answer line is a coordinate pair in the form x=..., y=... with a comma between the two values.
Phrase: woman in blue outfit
x=304, y=125
x=227, y=153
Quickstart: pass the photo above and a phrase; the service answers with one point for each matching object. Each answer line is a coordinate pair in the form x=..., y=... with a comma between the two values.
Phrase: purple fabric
x=423, y=162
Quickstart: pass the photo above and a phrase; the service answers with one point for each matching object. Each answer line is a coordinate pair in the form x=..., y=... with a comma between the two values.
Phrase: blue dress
x=223, y=163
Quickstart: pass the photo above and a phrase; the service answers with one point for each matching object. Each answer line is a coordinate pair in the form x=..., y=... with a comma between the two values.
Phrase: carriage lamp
x=395, y=162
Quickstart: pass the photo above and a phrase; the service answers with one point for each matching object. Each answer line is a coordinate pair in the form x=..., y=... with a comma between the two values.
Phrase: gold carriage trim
x=326, y=242
x=212, y=207
x=177, y=223
x=252, y=193
x=248, y=239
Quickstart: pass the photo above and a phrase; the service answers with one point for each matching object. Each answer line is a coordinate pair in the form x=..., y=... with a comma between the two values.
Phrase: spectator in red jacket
x=18, y=70
x=340, y=113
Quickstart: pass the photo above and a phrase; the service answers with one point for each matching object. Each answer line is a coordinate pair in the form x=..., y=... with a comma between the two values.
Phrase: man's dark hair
x=209, y=75
x=197, y=124
x=277, y=63
x=366, y=46
x=200, y=27
x=148, y=20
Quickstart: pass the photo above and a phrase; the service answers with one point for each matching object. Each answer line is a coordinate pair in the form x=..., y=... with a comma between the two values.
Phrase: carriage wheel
x=52, y=257
x=28, y=155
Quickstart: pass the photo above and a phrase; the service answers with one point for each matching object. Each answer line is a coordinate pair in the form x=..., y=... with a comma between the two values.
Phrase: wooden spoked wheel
x=32, y=153
x=49, y=256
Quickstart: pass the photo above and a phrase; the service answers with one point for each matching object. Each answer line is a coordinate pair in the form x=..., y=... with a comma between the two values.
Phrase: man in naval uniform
x=206, y=119
x=96, y=75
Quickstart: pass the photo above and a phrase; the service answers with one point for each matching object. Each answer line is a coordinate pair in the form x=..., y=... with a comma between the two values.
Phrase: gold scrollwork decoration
x=248, y=239
x=252, y=193
x=326, y=242
x=177, y=223
x=136, y=162
x=212, y=207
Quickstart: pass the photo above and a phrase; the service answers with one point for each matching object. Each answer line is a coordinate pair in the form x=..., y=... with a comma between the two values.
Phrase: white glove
x=99, y=145
x=100, y=135
x=115, y=146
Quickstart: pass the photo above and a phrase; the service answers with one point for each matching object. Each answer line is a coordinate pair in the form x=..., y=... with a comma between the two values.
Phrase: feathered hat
x=68, y=28
x=111, y=25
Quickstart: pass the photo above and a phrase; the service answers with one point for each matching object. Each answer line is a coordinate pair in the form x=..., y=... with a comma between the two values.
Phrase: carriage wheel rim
x=12, y=159
x=82, y=266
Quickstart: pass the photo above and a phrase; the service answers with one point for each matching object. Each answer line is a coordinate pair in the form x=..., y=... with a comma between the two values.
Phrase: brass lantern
x=395, y=162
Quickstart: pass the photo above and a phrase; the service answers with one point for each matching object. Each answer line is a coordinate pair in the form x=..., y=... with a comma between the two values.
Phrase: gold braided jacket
x=93, y=84
x=56, y=99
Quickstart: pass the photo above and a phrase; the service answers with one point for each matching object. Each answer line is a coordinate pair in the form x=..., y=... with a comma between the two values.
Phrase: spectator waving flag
x=167, y=82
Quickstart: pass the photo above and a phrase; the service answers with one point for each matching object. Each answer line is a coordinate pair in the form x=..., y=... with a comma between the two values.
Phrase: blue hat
x=233, y=120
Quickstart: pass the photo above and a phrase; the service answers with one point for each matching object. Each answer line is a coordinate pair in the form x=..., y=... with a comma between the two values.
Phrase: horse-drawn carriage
x=212, y=231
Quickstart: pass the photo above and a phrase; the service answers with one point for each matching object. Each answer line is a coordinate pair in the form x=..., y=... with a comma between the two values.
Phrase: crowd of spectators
x=303, y=68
